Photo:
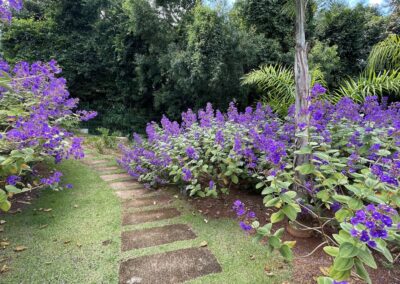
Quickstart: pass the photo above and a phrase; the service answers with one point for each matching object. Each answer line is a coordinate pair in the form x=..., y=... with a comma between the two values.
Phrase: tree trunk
x=302, y=79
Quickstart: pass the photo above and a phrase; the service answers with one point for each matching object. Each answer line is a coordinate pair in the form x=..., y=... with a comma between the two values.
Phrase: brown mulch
x=305, y=268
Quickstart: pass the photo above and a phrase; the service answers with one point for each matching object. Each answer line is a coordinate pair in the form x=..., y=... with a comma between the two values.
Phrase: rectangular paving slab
x=169, y=268
x=148, y=201
x=148, y=216
x=94, y=162
x=130, y=194
x=156, y=236
x=105, y=169
x=112, y=177
x=126, y=185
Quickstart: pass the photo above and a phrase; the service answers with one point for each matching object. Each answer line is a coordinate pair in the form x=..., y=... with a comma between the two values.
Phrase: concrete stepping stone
x=169, y=268
x=105, y=169
x=111, y=177
x=126, y=185
x=156, y=236
x=130, y=194
x=149, y=216
x=148, y=201
x=94, y=162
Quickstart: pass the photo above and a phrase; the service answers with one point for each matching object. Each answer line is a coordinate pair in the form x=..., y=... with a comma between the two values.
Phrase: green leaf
x=362, y=272
x=277, y=217
x=286, y=252
x=306, y=169
x=348, y=250
x=274, y=241
x=332, y=251
x=342, y=214
x=5, y=205
x=235, y=179
x=324, y=280
x=12, y=189
x=290, y=212
x=304, y=150
x=259, y=185
x=366, y=257
x=272, y=202
x=343, y=264
x=322, y=156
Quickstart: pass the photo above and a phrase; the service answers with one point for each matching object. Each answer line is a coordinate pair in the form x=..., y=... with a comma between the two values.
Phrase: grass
x=48, y=259
x=84, y=259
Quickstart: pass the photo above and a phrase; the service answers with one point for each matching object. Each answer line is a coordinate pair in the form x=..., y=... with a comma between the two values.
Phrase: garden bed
x=304, y=268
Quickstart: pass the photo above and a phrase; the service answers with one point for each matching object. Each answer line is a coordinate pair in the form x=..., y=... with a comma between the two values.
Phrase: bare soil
x=306, y=269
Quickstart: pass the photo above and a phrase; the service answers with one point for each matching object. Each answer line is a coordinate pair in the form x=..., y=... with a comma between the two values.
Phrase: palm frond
x=372, y=84
x=385, y=54
x=275, y=82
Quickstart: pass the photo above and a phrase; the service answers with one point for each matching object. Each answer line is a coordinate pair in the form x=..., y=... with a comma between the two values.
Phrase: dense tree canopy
x=134, y=60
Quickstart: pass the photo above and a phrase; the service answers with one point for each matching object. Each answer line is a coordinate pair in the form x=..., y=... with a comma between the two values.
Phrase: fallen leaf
x=79, y=245
x=2, y=222
x=203, y=244
x=4, y=244
x=252, y=257
x=66, y=242
x=4, y=268
x=24, y=202
x=40, y=209
x=267, y=268
x=20, y=248
x=76, y=206
x=193, y=213
x=47, y=263
x=1, y=229
x=324, y=270
x=205, y=221
x=270, y=274
x=176, y=196
x=47, y=210
x=43, y=226
x=154, y=202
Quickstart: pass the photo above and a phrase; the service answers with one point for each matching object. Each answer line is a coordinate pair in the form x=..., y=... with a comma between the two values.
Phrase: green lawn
x=84, y=259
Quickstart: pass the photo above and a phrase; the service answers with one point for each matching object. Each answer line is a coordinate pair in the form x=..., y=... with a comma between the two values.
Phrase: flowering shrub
x=353, y=166
x=35, y=111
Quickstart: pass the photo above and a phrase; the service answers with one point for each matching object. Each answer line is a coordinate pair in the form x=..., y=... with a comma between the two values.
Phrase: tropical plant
x=353, y=174
x=277, y=82
x=386, y=54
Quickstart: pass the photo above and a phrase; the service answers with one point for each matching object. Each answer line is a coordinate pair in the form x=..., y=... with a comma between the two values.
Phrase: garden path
x=167, y=267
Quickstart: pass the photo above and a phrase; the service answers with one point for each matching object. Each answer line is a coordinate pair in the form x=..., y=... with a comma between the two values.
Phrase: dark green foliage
x=134, y=60
x=354, y=31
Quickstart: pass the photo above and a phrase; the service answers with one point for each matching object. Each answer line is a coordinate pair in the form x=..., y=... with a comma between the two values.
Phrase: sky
x=371, y=2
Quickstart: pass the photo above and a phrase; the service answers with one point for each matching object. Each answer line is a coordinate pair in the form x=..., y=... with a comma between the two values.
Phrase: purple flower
x=12, y=180
x=191, y=153
x=69, y=186
x=51, y=180
x=211, y=185
x=187, y=174
x=244, y=226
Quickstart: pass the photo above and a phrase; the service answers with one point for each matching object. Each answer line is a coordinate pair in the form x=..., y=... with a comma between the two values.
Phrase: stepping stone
x=107, y=169
x=149, y=216
x=156, y=236
x=169, y=268
x=147, y=201
x=115, y=177
x=126, y=185
x=130, y=194
x=94, y=162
